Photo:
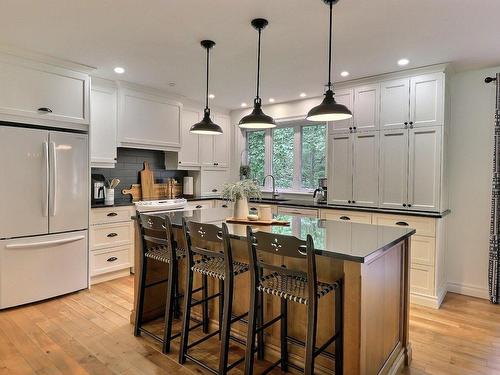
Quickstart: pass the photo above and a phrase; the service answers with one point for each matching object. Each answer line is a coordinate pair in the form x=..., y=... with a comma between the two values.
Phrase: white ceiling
x=157, y=41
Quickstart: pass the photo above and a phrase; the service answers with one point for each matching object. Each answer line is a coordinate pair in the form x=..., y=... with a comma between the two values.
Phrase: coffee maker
x=320, y=194
x=97, y=188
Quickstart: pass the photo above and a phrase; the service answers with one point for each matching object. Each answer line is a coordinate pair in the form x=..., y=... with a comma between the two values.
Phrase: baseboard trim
x=468, y=290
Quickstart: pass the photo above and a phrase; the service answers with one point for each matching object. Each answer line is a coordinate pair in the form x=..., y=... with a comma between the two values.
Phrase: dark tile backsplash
x=129, y=163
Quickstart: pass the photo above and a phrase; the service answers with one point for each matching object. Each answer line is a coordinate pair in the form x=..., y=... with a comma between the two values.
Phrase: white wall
x=470, y=147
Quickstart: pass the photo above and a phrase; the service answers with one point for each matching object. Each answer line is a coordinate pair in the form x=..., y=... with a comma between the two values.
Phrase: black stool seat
x=214, y=267
x=161, y=253
x=293, y=288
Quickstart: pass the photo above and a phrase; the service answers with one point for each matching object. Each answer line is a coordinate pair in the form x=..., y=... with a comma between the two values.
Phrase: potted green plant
x=239, y=193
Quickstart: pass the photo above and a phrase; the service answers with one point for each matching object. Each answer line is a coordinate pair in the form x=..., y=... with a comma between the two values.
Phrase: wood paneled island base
x=374, y=262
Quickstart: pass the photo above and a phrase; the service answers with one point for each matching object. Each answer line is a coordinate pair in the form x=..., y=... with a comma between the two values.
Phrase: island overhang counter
x=373, y=261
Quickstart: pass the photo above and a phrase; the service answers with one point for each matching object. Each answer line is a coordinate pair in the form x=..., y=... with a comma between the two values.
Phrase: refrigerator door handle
x=53, y=179
x=45, y=193
x=43, y=243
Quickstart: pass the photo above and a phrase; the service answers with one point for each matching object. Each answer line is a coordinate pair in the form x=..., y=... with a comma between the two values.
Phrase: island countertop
x=342, y=240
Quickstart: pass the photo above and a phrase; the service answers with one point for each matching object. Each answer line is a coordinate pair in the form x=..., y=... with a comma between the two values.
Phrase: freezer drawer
x=37, y=268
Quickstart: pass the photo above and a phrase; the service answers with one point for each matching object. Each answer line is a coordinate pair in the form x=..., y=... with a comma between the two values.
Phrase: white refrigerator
x=44, y=206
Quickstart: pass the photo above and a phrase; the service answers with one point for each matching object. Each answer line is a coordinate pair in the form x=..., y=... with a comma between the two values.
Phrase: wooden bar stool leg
x=284, y=334
x=204, y=305
x=188, y=297
x=177, y=305
x=226, y=325
x=312, y=319
x=339, y=323
x=140, y=300
x=260, y=335
x=169, y=308
x=252, y=327
x=221, y=306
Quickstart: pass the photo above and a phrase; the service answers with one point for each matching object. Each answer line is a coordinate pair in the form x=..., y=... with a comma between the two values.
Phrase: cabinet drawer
x=422, y=279
x=297, y=211
x=109, y=235
x=423, y=250
x=223, y=204
x=110, y=215
x=424, y=226
x=350, y=216
x=104, y=261
x=200, y=204
x=255, y=207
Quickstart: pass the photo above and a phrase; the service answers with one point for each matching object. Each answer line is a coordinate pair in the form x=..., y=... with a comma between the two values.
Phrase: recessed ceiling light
x=403, y=62
x=119, y=70
x=345, y=73
x=243, y=104
x=303, y=95
x=271, y=100
x=211, y=96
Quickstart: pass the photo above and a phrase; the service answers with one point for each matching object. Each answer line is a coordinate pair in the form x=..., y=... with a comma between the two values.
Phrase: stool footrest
x=155, y=283
x=202, y=364
x=317, y=351
x=268, y=324
x=204, y=338
x=206, y=299
x=238, y=317
x=271, y=368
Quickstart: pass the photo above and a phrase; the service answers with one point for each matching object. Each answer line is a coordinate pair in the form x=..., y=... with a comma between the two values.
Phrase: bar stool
x=290, y=285
x=220, y=266
x=158, y=244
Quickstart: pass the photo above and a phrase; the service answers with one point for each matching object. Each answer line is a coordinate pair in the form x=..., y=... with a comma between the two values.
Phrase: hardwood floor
x=89, y=333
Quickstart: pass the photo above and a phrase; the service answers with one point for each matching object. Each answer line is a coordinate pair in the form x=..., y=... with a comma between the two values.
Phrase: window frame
x=297, y=125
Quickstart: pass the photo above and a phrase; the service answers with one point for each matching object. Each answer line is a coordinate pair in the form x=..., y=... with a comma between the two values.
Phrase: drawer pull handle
x=214, y=190
x=45, y=110
x=402, y=223
x=253, y=208
x=112, y=234
x=112, y=259
x=111, y=214
x=224, y=205
x=345, y=218
x=199, y=206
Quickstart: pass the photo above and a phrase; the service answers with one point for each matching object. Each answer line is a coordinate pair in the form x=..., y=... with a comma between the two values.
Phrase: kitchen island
x=372, y=259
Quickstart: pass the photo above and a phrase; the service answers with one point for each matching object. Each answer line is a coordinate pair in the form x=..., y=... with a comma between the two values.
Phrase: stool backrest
x=156, y=231
x=199, y=236
x=282, y=245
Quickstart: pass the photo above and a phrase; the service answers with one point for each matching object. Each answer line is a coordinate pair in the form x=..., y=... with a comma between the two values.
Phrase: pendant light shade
x=206, y=125
x=258, y=119
x=329, y=109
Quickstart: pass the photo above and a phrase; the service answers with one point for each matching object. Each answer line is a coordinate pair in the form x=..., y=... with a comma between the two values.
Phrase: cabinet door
x=424, y=168
x=103, y=104
x=365, y=169
x=345, y=97
x=366, y=107
x=221, y=142
x=394, y=103
x=427, y=100
x=148, y=121
x=43, y=93
x=188, y=154
x=212, y=180
x=206, y=150
x=393, y=170
x=340, y=166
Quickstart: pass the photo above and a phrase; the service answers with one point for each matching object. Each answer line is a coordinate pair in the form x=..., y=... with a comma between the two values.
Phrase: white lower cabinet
x=111, y=243
x=347, y=216
x=209, y=203
x=298, y=211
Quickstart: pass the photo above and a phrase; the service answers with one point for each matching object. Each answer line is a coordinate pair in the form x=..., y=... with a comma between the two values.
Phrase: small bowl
x=252, y=217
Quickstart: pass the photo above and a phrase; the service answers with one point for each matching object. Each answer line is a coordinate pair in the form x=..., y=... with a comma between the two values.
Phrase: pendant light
x=206, y=126
x=329, y=109
x=258, y=119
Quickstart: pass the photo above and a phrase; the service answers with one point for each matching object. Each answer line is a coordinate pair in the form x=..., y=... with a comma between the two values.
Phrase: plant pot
x=241, y=208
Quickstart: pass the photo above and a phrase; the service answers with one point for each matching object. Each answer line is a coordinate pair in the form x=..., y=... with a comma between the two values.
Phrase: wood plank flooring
x=89, y=333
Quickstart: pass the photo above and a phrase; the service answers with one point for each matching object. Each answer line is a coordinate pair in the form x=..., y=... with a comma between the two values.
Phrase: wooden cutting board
x=159, y=191
x=147, y=182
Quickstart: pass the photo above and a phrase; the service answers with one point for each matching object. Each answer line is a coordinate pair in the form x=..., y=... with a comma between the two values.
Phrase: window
x=294, y=153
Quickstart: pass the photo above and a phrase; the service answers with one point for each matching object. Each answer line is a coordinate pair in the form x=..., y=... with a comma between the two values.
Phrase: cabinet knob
x=344, y=218
x=353, y=201
x=402, y=223
x=180, y=162
x=406, y=124
x=44, y=110
x=404, y=204
x=349, y=201
x=199, y=206
x=409, y=205
x=214, y=190
x=411, y=124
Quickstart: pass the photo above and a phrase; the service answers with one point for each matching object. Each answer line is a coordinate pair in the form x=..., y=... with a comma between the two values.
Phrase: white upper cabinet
x=214, y=149
x=345, y=97
x=365, y=169
x=148, y=121
x=43, y=94
x=103, y=103
x=189, y=155
x=340, y=169
x=393, y=170
x=394, y=104
x=366, y=107
x=427, y=100
x=424, y=171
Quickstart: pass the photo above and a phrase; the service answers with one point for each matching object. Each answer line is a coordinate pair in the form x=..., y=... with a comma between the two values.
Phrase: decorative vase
x=241, y=208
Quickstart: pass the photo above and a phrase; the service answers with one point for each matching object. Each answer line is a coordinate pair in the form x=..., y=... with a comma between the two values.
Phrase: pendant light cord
x=258, y=68
x=208, y=65
x=330, y=48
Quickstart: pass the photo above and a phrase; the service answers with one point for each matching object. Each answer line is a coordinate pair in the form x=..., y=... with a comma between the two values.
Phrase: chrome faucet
x=275, y=194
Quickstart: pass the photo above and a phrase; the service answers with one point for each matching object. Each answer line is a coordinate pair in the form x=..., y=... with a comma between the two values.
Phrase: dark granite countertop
x=305, y=203
x=341, y=240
